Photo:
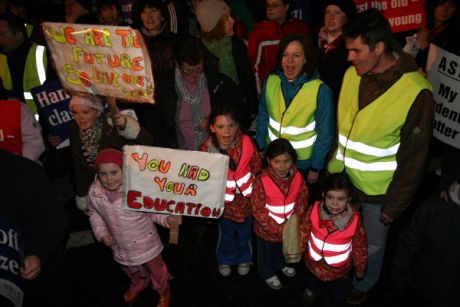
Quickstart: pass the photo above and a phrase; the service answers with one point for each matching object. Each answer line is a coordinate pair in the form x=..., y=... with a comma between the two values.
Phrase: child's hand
x=54, y=140
x=108, y=240
x=312, y=176
x=119, y=120
x=174, y=219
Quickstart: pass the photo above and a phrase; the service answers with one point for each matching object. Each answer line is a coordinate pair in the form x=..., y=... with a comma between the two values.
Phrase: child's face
x=84, y=116
x=225, y=129
x=336, y=201
x=110, y=175
x=281, y=164
x=109, y=14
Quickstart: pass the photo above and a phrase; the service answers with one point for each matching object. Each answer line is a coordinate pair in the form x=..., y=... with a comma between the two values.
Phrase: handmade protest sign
x=443, y=72
x=53, y=106
x=11, y=258
x=403, y=15
x=179, y=182
x=101, y=60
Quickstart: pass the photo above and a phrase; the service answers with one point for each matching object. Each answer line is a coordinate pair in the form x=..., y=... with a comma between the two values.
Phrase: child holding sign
x=132, y=235
x=92, y=132
x=280, y=192
x=234, y=245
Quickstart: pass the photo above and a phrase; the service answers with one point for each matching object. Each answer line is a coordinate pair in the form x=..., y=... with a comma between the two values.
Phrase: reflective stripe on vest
x=34, y=73
x=369, y=138
x=334, y=247
x=297, y=122
x=242, y=177
x=280, y=206
x=33, y=76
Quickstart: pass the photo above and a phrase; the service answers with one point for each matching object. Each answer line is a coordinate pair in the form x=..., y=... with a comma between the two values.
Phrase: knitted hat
x=109, y=155
x=90, y=101
x=209, y=12
x=86, y=4
x=347, y=6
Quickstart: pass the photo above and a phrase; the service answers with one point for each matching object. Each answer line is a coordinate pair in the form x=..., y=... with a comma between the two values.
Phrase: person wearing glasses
x=266, y=35
x=198, y=91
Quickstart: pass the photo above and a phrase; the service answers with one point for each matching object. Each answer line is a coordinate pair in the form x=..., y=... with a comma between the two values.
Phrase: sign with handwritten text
x=101, y=60
x=403, y=15
x=172, y=181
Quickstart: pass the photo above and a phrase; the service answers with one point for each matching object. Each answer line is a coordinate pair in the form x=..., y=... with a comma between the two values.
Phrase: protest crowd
x=229, y=153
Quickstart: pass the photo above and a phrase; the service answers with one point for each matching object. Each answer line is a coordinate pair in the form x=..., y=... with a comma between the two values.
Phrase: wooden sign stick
x=174, y=232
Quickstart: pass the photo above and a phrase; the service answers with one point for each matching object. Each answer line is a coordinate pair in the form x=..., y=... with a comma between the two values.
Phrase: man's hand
x=385, y=218
x=32, y=266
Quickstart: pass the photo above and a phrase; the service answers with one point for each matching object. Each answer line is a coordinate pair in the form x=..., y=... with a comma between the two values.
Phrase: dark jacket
x=28, y=202
x=428, y=251
x=111, y=137
x=245, y=77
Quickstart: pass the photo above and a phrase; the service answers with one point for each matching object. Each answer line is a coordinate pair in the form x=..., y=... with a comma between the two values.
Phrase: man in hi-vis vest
x=385, y=116
x=23, y=64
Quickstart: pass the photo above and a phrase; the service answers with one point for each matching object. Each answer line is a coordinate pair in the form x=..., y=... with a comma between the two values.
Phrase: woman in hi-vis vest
x=296, y=105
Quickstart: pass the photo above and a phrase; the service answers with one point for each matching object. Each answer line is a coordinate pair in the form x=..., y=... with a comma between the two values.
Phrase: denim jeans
x=271, y=258
x=234, y=245
x=376, y=233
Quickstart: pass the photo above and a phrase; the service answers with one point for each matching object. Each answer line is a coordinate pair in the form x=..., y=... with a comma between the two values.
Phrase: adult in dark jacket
x=427, y=253
x=334, y=60
x=28, y=203
x=92, y=132
x=151, y=17
x=226, y=52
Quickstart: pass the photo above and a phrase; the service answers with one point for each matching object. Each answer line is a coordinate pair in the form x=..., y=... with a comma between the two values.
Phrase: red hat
x=109, y=155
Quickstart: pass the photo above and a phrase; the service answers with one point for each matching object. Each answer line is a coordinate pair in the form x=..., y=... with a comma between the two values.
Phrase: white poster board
x=172, y=181
x=101, y=60
x=443, y=71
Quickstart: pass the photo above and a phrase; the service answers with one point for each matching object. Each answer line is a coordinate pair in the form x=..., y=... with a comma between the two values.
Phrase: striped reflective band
x=362, y=166
x=291, y=129
x=280, y=209
x=330, y=259
x=40, y=65
x=241, y=181
x=328, y=246
x=366, y=149
x=296, y=144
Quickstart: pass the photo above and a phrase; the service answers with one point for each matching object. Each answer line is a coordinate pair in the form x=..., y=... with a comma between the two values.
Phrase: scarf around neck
x=222, y=49
x=196, y=105
x=90, y=139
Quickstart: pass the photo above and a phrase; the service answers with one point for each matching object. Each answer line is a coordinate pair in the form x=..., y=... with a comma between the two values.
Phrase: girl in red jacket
x=279, y=193
x=234, y=245
x=334, y=240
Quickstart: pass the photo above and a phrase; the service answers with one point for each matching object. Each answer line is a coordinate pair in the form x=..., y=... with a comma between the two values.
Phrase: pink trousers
x=155, y=271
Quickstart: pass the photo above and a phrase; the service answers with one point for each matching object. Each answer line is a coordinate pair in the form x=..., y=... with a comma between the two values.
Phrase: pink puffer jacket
x=135, y=234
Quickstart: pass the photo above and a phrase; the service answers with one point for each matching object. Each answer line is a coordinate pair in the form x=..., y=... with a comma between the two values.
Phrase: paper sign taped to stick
x=179, y=182
x=101, y=60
